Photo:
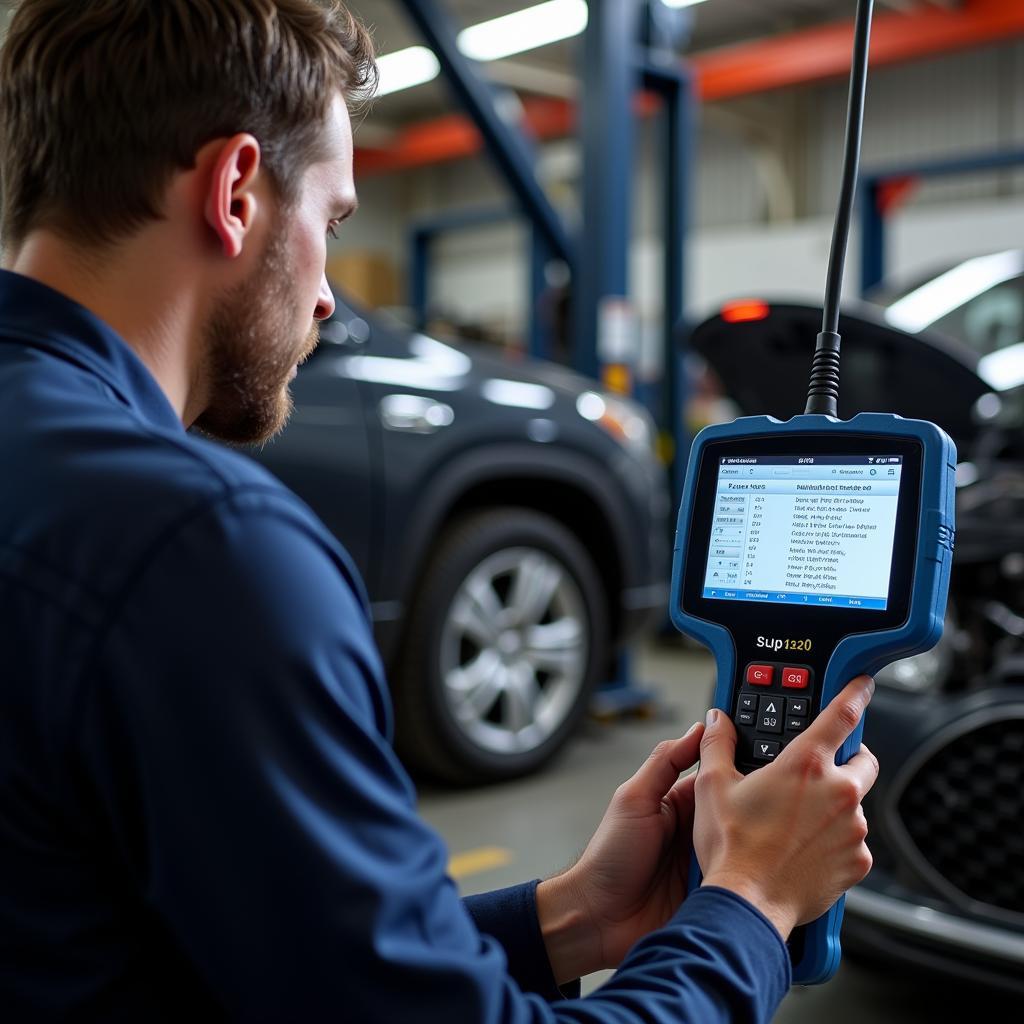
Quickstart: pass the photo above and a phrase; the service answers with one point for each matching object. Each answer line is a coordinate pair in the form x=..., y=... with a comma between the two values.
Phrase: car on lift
x=509, y=519
x=946, y=892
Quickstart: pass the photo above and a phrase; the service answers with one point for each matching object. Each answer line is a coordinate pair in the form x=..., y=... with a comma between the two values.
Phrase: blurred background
x=585, y=231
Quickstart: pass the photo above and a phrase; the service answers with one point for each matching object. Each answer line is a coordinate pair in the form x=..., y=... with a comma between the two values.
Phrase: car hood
x=486, y=363
x=764, y=364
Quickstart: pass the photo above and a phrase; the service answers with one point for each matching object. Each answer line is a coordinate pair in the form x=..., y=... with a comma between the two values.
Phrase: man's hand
x=789, y=837
x=632, y=876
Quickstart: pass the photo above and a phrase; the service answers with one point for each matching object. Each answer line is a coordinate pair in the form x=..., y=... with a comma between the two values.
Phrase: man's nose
x=324, y=301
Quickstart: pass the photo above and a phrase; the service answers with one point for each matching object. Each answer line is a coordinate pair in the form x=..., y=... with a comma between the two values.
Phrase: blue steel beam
x=676, y=86
x=872, y=218
x=872, y=236
x=541, y=311
x=421, y=239
x=610, y=77
x=421, y=249
x=992, y=161
x=505, y=143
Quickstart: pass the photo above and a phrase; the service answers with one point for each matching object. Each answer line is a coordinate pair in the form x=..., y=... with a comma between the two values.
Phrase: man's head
x=116, y=115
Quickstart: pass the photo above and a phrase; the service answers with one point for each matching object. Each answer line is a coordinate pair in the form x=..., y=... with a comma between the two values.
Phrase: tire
x=506, y=640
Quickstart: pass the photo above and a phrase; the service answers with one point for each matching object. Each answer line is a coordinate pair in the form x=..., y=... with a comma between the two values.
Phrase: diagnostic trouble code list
x=811, y=530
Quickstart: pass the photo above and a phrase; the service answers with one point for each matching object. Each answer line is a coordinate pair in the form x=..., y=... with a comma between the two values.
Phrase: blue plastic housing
x=863, y=653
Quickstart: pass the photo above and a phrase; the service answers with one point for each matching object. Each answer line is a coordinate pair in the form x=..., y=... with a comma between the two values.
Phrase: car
x=978, y=302
x=946, y=816
x=509, y=519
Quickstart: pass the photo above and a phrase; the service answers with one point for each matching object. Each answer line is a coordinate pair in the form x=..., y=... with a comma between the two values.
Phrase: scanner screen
x=804, y=530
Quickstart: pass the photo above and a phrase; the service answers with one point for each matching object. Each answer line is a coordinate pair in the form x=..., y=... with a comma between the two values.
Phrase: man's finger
x=682, y=798
x=718, y=747
x=836, y=721
x=660, y=772
x=863, y=767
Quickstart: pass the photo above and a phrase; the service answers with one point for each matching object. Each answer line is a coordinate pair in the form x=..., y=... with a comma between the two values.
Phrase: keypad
x=770, y=713
x=770, y=716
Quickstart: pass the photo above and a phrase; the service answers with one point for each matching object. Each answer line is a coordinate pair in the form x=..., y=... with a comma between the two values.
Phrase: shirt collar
x=31, y=313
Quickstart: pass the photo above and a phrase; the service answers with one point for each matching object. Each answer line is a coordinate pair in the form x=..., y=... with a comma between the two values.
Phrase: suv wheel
x=506, y=640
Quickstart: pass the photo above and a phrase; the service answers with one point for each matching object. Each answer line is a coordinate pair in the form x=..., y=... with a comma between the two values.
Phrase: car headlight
x=627, y=422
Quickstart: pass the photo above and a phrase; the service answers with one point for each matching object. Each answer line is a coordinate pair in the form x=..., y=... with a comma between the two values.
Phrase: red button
x=795, y=678
x=760, y=675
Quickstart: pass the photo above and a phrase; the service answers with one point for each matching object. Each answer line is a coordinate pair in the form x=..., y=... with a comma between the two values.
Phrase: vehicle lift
x=630, y=49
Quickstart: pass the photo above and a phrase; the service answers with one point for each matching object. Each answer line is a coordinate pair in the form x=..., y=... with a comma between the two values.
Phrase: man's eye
x=332, y=229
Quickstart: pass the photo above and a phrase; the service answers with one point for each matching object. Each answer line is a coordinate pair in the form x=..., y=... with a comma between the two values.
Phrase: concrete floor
x=500, y=835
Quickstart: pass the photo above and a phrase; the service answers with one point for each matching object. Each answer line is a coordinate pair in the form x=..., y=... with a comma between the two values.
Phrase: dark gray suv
x=509, y=519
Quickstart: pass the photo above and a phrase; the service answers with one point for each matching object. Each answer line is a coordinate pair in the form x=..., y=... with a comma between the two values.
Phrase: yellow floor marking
x=472, y=862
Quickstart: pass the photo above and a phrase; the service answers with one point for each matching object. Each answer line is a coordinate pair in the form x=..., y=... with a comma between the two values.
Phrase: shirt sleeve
x=510, y=917
x=234, y=732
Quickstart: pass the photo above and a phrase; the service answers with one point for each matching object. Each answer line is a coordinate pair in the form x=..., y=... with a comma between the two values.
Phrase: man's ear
x=231, y=203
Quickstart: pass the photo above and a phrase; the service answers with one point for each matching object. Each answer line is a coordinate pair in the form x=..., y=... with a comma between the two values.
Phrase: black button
x=748, y=702
x=796, y=706
x=770, y=713
x=765, y=750
x=795, y=724
x=745, y=718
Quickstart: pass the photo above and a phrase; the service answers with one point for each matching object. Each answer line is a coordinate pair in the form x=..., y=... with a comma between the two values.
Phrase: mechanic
x=201, y=815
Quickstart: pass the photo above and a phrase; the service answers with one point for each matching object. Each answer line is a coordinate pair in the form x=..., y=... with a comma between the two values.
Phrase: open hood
x=762, y=354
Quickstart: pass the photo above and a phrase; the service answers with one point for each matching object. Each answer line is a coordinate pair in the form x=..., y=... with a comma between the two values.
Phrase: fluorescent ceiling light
x=528, y=29
x=405, y=68
x=524, y=30
x=932, y=301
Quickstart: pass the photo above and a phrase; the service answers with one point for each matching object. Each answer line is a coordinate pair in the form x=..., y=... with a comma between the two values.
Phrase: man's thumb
x=718, y=745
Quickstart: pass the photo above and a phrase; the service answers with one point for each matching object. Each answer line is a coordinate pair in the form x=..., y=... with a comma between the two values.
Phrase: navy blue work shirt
x=201, y=815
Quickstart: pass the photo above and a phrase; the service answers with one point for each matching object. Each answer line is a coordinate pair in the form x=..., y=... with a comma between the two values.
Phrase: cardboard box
x=368, y=278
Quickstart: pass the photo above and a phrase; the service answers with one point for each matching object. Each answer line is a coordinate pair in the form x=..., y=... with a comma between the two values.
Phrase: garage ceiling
x=716, y=23
x=553, y=69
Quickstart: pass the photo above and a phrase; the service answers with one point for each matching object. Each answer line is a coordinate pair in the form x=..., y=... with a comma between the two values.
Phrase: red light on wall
x=745, y=311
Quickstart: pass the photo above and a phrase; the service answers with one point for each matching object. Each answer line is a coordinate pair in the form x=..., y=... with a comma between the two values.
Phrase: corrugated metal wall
x=953, y=106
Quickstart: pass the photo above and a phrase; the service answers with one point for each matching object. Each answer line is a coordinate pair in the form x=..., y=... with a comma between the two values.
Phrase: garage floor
x=530, y=829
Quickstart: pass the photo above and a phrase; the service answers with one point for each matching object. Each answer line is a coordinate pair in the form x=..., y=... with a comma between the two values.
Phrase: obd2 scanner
x=809, y=552
x=813, y=550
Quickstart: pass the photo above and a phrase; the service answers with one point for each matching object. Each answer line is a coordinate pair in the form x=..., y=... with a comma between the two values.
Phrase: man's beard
x=249, y=354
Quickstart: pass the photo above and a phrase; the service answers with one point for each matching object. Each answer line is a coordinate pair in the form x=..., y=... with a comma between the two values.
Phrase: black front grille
x=964, y=811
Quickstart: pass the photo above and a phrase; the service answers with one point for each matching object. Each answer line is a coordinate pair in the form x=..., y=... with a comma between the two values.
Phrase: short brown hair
x=102, y=100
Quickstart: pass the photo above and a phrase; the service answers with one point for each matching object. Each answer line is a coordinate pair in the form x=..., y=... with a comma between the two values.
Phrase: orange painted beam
x=817, y=54
x=455, y=137
x=798, y=58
